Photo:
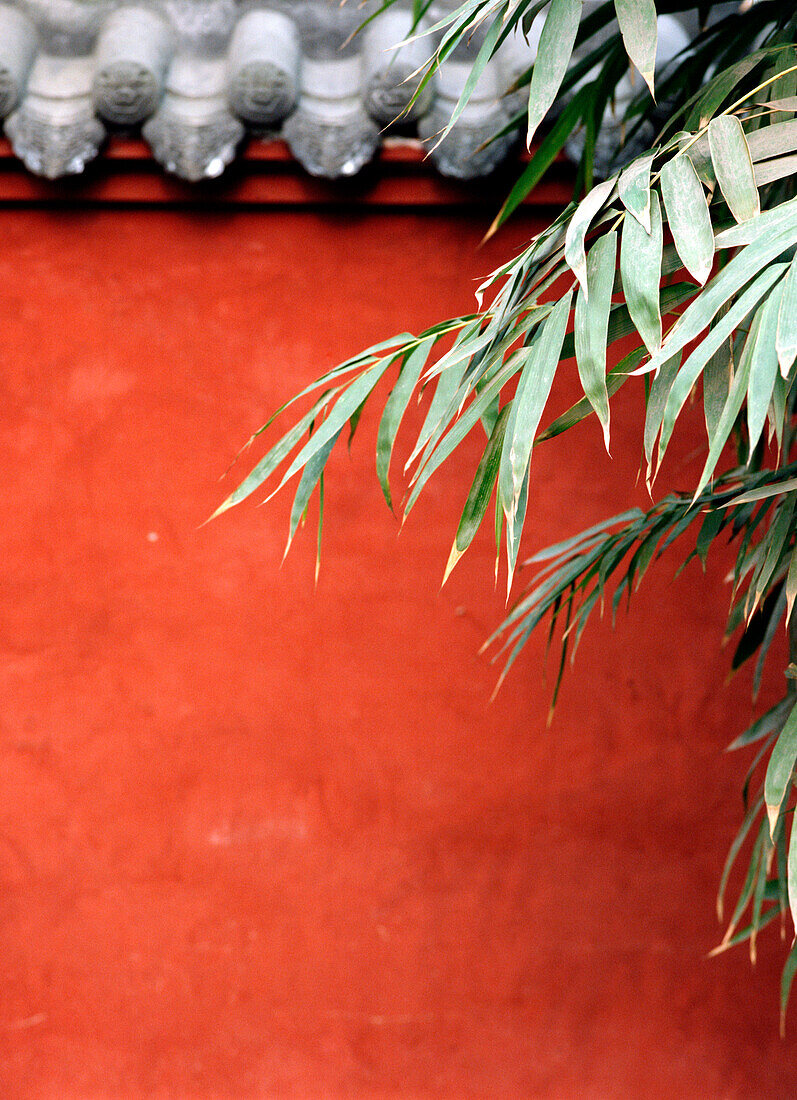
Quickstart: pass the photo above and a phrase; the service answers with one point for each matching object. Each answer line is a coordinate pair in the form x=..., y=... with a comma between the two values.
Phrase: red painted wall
x=261, y=842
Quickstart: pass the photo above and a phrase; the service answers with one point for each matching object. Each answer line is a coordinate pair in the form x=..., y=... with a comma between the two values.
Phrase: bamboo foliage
x=690, y=246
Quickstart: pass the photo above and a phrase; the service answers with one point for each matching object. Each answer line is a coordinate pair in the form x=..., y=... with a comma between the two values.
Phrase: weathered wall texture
x=257, y=842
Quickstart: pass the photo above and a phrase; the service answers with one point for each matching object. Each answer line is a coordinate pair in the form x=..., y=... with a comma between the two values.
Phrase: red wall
x=261, y=842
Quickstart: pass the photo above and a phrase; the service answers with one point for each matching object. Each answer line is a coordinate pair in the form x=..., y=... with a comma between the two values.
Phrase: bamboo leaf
x=529, y=403
x=708, y=532
x=446, y=387
x=657, y=401
x=792, y=871
x=477, y=67
x=763, y=368
x=717, y=375
x=791, y=585
x=778, y=168
x=789, y=970
x=514, y=530
x=688, y=216
x=773, y=141
x=640, y=267
x=345, y=407
x=775, y=541
x=758, y=897
x=553, y=56
x=763, y=726
x=735, y=848
x=733, y=405
x=769, y=635
x=480, y=493
x=746, y=892
x=591, y=326
x=692, y=368
x=394, y=410
x=775, y=489
x=634, y=189
x=307, y=482
x=779, y=769
x=786, y=337
x=733, y=166
x=637, y=19
x=275, y=456
x=575, y=252
x=617, y=376
x=446, y=446
x=761, y=228
x=745, y=933
x=543, y=157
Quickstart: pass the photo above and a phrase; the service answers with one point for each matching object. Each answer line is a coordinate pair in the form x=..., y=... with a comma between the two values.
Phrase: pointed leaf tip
x=555, y=48
x=639, y=28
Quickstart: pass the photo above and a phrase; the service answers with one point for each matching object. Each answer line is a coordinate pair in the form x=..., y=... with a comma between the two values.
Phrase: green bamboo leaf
x=781, y=91
x=688, y=216
x=307, y=483
x=745, y=933
x=657, y=401
x=777, y=412
x=773, y=141
x=786, y=337
x=637, y=19
x=617, y=376
x=620, y=323
x=789, y=970
x=779, y=769
x=576, y=544
x=499, y=530
x=791, y=585
x=634, y=189
x=693, y=367
x=514, y=530
x=543, y=157
x=709, y=530
x=591, y=326
x=448, y=444
x=758, y=897
x=763, y=368
x=763, y=726
x=713, y=94
x=792, y=870
x=769, y=634
x=782, y=881
x=553, y=56
x=575, y=252
x=345, y=407
x=447, y=385
x=480, y=492
x=735, y=848
x=774, y=541
x=733, y=166
x=746, y=892
x=788, y=103
x=281, y=449
x=640, y=267
x=778, y=168
x=761, y=228
x=529, y=403
x=717, y=375
x=733, y=405
x=776, y=488
x=477, y=67
x=394, y=410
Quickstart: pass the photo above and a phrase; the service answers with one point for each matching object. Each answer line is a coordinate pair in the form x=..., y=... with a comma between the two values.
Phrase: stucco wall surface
x=257, y=841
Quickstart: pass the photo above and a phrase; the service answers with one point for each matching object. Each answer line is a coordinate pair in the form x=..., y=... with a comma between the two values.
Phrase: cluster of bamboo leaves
x=691, y=248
